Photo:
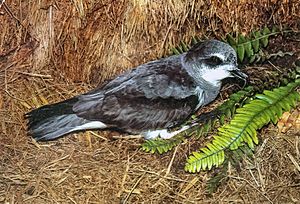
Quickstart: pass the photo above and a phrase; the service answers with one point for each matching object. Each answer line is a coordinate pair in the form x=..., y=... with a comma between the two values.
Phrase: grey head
x=212, y=61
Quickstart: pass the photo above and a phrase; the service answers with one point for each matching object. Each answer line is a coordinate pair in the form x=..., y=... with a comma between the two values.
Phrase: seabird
x=147, y=100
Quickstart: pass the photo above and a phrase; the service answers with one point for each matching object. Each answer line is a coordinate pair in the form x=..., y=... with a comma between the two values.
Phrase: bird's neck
x=196, y=73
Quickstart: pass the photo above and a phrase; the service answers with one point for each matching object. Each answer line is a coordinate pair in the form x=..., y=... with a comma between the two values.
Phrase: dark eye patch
x=213, y=61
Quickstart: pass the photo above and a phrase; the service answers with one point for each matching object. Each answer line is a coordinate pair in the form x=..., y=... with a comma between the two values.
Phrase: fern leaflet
x=242, y=128
x=162, y=145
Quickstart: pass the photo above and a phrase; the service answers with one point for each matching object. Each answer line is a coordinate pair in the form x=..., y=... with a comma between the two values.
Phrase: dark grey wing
x=152, y=97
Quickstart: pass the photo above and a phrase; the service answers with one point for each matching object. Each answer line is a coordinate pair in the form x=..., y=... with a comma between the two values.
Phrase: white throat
x=214, y=76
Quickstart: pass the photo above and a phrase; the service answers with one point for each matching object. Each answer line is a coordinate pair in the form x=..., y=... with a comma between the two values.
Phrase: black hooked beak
x=239, y=74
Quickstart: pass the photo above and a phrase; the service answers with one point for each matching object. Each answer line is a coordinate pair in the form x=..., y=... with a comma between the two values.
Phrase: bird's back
x=158, y=94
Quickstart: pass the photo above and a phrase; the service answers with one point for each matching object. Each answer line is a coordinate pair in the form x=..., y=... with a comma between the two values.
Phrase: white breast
x=200, y=94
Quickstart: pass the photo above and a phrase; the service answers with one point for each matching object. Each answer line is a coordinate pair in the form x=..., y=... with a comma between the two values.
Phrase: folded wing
x=158, y=95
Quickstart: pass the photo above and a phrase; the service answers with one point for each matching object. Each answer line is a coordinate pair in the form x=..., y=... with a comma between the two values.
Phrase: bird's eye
x=213, y=61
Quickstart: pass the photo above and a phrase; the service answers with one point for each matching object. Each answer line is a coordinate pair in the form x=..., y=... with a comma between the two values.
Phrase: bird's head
x=212, y=61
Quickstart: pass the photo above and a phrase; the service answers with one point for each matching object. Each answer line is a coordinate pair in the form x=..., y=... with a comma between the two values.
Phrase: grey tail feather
x=53, y=121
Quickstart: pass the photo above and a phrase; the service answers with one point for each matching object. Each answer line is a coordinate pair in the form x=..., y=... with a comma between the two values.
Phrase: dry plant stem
x=297, y=142
x=127, y=137
x=134, y=186
x=124, y=179
x=2, y=2
x=99, y=136
x=294, y=161
x=168, y=169
x=276, y=67
x=10, y=12
x=243, y=179
x=171, y=162
x=6, y=85
x=261, y=147
x=190, y=184
x=48, y=76
x=160, y=176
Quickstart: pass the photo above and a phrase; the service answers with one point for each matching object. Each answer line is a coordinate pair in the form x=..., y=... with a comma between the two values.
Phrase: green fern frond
x=215, y=181
x=234, y=158
x=226, y=110
x=267, y=107
x=184, y=47
x=246, y=47
x=209, y=121
x=249, y=48
x=162, y=145
x=206, y=123
x=235, y=100
x=262, y=56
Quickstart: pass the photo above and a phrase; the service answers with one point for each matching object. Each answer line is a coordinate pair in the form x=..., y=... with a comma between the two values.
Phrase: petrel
x=148, y=100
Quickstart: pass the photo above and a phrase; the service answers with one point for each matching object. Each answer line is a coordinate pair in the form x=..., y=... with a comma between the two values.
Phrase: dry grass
x=48, y=49
x=85, y=38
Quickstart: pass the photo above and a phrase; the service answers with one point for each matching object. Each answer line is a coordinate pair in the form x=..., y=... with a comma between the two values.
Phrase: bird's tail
x=52, y=121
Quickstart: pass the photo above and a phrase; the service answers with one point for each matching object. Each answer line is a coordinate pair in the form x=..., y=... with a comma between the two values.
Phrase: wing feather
x=159, y=94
